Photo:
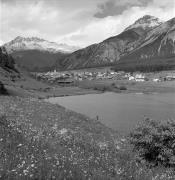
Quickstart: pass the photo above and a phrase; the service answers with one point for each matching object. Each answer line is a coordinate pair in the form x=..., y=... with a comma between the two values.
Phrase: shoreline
x=89, y=92
x=32, y=88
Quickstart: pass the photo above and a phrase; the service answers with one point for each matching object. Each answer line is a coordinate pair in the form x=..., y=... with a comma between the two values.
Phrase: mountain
x=147, y=22
x=111, y=50
x=35, y=54
x=35, y=43
x=157, y=51
x=148, y=43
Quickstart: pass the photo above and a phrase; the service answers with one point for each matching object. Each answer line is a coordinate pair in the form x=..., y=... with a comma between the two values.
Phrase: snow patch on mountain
x=167, y=28
x=145, y=22
x=35, y=43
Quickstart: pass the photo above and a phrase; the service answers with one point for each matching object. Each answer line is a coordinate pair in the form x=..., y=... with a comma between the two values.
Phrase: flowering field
x=42, y=141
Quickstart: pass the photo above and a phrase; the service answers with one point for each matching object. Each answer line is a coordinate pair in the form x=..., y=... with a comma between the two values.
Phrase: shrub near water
x=154, y=142
x=2, y=89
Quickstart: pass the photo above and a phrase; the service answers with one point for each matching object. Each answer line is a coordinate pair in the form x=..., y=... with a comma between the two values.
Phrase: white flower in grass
x=63, y=131
x=25, y=171
x=19, y=145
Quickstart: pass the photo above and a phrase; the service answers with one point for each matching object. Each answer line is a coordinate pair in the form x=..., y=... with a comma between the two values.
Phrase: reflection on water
x=121, y=111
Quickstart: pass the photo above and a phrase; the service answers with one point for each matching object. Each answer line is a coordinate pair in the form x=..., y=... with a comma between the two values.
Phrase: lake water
x=121, y=111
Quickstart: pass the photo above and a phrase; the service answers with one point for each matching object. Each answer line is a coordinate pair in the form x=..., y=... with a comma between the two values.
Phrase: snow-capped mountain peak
x=20, y=39
x=145, y=22
x=35, y=43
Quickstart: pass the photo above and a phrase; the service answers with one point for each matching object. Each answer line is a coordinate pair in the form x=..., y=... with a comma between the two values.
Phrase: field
x=125, y=86
x=26, y=86
x=41, y=140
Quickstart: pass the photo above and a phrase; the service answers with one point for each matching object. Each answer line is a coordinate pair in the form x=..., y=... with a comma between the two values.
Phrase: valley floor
x=29, y=87
x=32, y=88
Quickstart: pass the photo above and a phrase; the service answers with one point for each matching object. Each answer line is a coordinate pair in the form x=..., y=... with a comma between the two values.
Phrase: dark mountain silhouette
x=35, y=60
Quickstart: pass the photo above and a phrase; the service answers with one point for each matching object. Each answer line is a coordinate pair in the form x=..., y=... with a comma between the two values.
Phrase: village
x=69, y=77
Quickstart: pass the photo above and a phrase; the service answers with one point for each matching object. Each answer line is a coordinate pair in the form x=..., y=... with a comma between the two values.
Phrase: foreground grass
x=43, y=141
x=39, y=140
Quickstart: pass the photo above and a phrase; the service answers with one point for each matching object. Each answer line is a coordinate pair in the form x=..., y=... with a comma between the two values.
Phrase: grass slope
x=43, y=141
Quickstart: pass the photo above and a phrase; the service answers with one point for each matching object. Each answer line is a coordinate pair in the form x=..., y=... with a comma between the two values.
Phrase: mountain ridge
x=34, y=43
x=157, y=50
x=112, y=49
x=148, y=38
x=36, y=54
x=145, y=21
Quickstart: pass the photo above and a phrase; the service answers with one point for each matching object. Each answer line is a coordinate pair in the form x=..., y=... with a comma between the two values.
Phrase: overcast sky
x=75, y=22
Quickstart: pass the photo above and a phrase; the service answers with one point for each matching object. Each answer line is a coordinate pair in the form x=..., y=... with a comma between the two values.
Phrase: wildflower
x=117, y=147
x=25, y=171
x=19, y=145
x=23, y=162
x=63, y=131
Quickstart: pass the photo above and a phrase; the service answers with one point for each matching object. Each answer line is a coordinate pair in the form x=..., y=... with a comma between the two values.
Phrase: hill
x=36, y=60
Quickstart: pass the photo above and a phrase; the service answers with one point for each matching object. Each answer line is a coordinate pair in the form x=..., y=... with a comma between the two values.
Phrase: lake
x=121, y=111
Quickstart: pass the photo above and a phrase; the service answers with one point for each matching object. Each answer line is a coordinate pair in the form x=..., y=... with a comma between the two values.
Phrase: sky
x=76, y=22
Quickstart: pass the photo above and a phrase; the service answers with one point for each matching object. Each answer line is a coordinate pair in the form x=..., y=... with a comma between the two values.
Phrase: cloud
x=39, y=18
x=114, y=7
x=77, y=22
x=101, y=28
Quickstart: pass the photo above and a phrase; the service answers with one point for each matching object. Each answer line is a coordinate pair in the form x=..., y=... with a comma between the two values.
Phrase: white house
x=156, y=80
x=139, y=77
x=131, y=78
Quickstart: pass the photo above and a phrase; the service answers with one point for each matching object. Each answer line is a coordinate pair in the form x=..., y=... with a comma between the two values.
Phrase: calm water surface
x=121, y=111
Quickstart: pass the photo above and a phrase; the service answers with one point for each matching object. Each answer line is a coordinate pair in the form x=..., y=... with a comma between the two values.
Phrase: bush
x=122, y=88
x=113, y=84
x=102, y=88
x=2, y=89
x=154, y=142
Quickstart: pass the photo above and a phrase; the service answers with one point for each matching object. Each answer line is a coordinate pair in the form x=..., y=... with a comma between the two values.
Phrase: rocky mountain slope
x=145, y=23
x=157, y=49
x=113, y=49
